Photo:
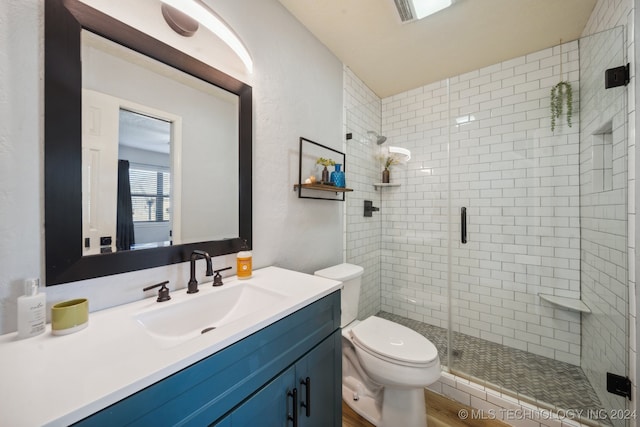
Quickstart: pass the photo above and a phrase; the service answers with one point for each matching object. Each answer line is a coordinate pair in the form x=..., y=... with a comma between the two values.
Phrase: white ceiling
x=144, y=132
x=391, y=57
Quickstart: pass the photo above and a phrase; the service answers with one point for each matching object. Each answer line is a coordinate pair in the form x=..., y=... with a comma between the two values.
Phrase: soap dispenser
x=244, y=261
x=31, y=310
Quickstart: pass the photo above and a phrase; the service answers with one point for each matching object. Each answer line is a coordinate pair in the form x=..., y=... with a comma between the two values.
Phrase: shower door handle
x=463, y=224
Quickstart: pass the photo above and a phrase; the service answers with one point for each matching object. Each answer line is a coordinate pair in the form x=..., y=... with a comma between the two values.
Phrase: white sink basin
x=173, y=322
x=140, y=343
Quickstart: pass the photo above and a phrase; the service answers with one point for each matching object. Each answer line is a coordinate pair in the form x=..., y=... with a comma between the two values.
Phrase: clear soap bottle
x=32, y=317
x=244, y=262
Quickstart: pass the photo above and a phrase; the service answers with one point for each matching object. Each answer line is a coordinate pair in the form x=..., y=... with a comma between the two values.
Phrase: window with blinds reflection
x=150, y=193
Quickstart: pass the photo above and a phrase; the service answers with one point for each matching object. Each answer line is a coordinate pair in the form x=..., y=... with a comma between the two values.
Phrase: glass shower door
x=538, y=264
x=603, y=215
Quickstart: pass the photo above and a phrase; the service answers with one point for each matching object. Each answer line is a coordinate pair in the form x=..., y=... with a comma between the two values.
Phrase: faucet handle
x=163, y=292
x=217, y=279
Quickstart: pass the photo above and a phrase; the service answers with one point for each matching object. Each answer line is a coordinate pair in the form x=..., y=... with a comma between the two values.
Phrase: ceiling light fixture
x=410, y=10
x=182, y=24
x=207, y=17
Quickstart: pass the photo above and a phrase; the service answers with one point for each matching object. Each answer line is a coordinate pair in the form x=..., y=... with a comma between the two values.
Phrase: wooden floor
x=441, y=412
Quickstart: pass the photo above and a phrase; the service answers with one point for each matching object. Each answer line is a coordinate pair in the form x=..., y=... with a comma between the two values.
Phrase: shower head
x=379, y=139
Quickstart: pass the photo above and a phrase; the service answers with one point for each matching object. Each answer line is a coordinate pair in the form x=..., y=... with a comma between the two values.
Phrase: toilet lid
x=341, y=272
x=393, y=341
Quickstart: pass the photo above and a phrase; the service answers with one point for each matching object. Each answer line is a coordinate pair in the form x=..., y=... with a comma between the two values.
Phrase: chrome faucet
x=192, y=287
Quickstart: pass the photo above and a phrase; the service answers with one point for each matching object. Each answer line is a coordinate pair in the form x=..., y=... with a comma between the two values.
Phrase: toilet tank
x=351, y=277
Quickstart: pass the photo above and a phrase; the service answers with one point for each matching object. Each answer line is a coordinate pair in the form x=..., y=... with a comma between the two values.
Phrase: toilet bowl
x=385, y=366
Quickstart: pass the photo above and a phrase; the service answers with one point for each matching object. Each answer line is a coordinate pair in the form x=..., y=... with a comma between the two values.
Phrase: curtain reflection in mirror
x=125, y=234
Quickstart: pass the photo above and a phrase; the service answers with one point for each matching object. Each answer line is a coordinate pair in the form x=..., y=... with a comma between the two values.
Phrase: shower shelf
x=570, y=303
x=384, y=184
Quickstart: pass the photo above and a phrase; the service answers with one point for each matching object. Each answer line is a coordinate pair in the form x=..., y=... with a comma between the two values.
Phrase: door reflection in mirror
x=119, y=197
x=144, y=181
x=185, y=193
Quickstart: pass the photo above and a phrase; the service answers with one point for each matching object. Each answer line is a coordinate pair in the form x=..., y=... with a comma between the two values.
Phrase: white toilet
x=385, y=366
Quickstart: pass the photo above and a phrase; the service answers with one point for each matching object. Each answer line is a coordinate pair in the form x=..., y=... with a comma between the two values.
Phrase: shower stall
x=501, y=240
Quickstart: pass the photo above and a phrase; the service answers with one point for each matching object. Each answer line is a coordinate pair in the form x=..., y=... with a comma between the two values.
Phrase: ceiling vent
x=411, y=10
x=404, y=10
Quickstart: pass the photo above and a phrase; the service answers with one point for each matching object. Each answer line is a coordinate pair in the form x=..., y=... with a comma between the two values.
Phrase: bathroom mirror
x=227, y=208
x=152, y=136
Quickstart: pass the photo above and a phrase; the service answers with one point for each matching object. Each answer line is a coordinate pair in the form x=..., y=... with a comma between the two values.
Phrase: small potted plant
x=325, y=172
x=389, y=161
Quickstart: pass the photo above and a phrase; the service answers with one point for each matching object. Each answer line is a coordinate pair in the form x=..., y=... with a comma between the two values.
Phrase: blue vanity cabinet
x=309, y=386
x=248, y=382
x=318, y=402
x=269, y=406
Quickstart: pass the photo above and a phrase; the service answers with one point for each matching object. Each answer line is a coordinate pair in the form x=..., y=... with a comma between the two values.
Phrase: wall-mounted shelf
x=316, y=186
x=384, y=184
x=322, y=187
x=570, y=303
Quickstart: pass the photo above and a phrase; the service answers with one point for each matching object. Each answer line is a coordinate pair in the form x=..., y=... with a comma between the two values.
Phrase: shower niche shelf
x=570, y=303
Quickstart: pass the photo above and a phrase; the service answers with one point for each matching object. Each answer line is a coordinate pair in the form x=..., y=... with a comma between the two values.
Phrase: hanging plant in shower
x=561, y=95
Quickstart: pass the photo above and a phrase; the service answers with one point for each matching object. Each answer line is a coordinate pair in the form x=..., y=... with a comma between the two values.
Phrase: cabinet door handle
x=294, y=417
x=307, y=405
x=463, y=225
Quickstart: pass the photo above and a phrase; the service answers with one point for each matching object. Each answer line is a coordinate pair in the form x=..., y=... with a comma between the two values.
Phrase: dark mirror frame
x=64, y=19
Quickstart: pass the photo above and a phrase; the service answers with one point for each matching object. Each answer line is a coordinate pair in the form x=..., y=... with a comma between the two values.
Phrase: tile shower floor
x=526, y=375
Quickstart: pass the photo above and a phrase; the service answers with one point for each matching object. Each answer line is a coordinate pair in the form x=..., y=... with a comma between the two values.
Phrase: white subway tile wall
x=496, y=155
x=488, y=132
x=362, y=115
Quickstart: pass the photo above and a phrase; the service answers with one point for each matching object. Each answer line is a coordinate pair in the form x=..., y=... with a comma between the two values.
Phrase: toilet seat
x=394, y=343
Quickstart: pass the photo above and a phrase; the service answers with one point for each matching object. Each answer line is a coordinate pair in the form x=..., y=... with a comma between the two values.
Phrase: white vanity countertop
x=58, y=380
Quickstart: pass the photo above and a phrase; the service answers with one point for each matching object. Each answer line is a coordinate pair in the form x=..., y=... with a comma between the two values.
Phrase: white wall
x=21, y=153
x=297, y=89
